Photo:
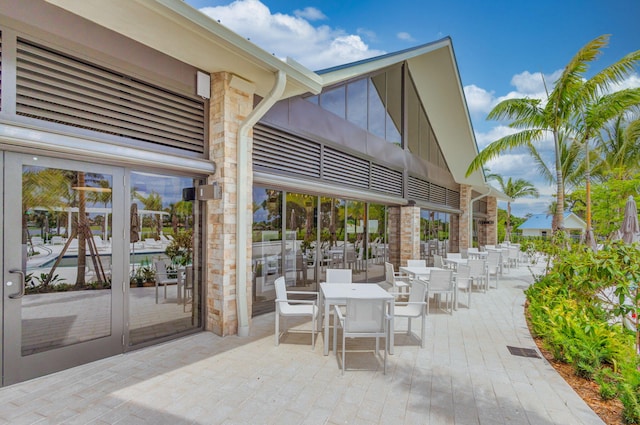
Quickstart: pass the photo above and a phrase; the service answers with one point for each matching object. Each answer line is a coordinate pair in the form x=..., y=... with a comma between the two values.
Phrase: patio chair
x=478, y=273
x=493, y=266
x=441, y=283
x=463, y=282
x=339, y=276
x=363, y=318
x=415, y=307
x=438, y=261
x=295, y=308
x=416, y=263
x=163, y=278
x=398, y=281
x=514, y=256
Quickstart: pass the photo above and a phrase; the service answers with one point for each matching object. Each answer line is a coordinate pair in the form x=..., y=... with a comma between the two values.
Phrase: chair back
x=437, y=261
x=472, y=250
x=338, y=276
x=282, y=302
x=476, y=267
x=416, y=263
x=462, y=276
x=441, y=279
x=416, y=295
x=454, y=255
x=365, y=316
x=493, y=261
x=388, y=273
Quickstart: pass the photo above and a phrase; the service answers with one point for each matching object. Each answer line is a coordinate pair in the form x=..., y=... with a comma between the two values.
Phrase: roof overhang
x=184, y=33
x=435, y=74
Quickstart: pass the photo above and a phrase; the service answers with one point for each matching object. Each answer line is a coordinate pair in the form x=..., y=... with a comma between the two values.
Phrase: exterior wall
x=464, y=238
x=228, y=109
x=492, y=228
x=409, y=234
x=394, y=225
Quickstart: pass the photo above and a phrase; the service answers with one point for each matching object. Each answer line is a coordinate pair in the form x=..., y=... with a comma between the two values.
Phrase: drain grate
x=523, y=352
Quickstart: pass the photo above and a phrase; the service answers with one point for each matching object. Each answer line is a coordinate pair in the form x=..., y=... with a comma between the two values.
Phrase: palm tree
x=619, y=146
x=564, y=106
x=514, y=189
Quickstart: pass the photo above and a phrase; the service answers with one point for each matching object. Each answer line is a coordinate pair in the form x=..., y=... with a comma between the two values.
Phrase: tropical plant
x=568, y=114
x=514, y=189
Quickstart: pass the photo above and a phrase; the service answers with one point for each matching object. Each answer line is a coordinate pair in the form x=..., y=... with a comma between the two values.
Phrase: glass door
x=63, y=265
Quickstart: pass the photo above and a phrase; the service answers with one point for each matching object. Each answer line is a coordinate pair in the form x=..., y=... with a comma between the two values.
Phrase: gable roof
x=434, y=71
x=543, y=222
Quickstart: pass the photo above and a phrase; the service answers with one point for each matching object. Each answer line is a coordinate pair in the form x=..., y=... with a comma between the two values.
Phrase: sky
x=502, y=48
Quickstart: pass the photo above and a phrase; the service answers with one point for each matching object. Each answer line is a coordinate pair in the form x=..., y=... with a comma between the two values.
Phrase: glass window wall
x=434, y=234
x=299, y=236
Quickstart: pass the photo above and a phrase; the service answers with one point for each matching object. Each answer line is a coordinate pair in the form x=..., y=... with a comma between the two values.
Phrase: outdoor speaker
x=189, y=194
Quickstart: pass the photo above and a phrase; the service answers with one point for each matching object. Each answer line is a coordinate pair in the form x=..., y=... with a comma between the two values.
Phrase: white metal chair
x=478, y=273
x=416, y=263
x=514, y=257
x=441, y=283
x=463, y=282
x=415, y=308
x=339, y=276
x=363, y=318
x=399, y=281
x=438, y=261
x=162, y=278
x=295, y=308
x=493, y=266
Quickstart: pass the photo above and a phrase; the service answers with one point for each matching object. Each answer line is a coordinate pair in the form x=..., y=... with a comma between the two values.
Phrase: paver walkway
x=465, y=375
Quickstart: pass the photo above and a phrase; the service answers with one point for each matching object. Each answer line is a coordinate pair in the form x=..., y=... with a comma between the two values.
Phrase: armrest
x=297, y=301
x=403, y=303
x=303, y=293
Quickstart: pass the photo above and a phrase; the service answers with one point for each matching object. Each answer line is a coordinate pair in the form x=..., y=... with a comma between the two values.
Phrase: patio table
x=337, y=293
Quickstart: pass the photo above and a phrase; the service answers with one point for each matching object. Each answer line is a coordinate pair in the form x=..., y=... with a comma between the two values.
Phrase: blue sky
x=501, y=46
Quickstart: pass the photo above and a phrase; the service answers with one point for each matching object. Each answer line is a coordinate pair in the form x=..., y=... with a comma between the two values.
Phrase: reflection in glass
x=377, y=113
x=267, y=243
x=164, y=283
x=434, y=233
x=357, y=103
x=66, y=231
x=334, y=101
x=377, y=248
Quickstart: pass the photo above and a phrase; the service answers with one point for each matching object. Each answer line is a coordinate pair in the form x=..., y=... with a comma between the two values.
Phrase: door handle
x=21, y=293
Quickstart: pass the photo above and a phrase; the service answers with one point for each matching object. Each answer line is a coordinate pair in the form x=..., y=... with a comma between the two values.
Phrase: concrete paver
x=464, y=376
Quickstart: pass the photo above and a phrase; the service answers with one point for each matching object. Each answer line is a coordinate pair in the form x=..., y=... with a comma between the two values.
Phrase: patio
x=465, y=375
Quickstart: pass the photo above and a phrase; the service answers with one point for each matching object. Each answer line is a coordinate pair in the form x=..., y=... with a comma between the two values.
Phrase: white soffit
x=438, y=84
x=182, y=32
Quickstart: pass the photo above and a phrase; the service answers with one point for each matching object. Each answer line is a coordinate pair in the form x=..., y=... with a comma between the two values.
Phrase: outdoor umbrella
x=134, y=231
x=630, y=227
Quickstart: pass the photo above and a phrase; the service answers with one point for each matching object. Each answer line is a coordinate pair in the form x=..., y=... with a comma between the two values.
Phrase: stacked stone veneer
x=491, y=229
x=464, y=217
x=229, y=106
x=409, y=235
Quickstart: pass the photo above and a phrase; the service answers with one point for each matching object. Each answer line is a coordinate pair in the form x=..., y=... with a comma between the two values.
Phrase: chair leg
x=277, y=328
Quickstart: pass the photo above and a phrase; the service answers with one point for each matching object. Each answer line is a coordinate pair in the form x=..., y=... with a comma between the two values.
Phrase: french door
x=63, y=264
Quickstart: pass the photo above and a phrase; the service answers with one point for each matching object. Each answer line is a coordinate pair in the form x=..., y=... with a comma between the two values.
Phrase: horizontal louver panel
x=276, y=151
x=346, y=169
x=386, y=180
x=418, y=189
x=453, y=198
x=438, y=194
x=59, y=88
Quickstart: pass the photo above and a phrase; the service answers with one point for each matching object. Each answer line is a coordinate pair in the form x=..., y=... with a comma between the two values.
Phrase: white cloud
x=310, y=14
x=284, y=35
x=405, y=36
x=479, y=101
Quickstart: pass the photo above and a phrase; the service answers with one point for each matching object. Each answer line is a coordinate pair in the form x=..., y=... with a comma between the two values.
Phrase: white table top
x=342, y=291
x=419, y=271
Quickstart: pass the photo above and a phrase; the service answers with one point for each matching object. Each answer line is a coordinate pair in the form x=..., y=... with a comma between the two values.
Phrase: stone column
x=393, y=230
x=464, y=235
x=409, y=234
x=231, y=102
x=492, y=214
